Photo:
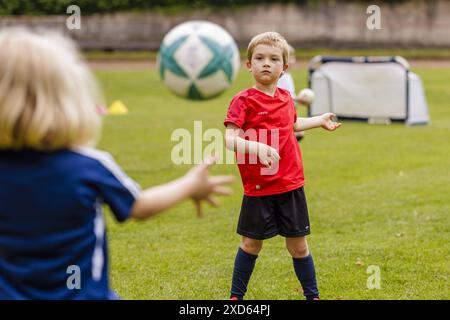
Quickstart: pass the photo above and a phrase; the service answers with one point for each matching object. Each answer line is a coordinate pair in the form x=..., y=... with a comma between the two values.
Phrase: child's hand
x=267, y=155
x=205, y=186
x=328, y=123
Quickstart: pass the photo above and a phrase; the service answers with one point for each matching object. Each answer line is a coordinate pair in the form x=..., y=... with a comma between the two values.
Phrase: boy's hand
x=205, y=186
x=267, y=155
x=328, y=123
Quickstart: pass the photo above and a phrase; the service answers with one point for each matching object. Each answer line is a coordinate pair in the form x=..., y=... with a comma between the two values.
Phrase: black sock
x=243, y=268
x=306, y=274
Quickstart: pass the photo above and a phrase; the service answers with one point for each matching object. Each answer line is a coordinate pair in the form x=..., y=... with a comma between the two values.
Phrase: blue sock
x=306, y=274
x=243, y=268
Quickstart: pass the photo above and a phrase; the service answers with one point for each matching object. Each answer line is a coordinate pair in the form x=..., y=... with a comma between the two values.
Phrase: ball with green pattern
x=198, y=60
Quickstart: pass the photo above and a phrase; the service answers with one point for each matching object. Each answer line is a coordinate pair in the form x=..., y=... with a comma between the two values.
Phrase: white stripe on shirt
x=108, y=162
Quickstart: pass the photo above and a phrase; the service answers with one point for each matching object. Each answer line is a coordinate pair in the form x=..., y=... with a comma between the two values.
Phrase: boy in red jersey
x=260, y=123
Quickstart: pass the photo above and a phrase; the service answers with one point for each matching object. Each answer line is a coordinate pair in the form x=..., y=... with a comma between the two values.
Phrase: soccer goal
x=376, y=89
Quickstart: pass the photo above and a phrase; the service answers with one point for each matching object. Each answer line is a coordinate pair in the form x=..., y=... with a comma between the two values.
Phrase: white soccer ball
x=306, y=96
x=198, y=60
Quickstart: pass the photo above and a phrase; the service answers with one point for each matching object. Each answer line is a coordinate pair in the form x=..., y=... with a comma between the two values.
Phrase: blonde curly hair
x=48, y=96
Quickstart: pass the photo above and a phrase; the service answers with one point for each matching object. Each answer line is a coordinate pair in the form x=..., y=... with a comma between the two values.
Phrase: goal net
x=377, y=89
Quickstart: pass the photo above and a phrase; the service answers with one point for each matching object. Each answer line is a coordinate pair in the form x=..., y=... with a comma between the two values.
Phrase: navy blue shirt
x=52, y=232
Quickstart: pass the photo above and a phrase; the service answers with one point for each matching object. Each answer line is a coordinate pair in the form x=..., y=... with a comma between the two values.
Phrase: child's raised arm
x=325, y=121
x=197, y=184
x=266, y=154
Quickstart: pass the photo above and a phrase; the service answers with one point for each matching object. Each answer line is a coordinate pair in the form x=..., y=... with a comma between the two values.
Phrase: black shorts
x=264, y=217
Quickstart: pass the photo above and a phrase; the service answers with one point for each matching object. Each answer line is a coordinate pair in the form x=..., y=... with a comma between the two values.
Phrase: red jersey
x=268, y=120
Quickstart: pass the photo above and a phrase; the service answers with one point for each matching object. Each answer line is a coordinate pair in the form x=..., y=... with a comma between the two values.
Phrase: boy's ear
x=285, y=67
x=248, y=64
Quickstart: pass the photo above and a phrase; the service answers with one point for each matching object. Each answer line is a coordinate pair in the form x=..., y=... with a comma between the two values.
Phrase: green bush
x=55, y=7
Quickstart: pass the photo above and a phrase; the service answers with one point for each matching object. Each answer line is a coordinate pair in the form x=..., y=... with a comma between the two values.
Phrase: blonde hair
x=270, y=38
x=291, y=52
x=48, y=95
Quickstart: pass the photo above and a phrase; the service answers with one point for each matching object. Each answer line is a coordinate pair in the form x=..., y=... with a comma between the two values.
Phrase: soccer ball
x=306, y=96
x=198, y=60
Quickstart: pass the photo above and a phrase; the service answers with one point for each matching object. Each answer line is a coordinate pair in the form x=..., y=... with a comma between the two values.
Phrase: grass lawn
x=377, y=195
x=301, y=53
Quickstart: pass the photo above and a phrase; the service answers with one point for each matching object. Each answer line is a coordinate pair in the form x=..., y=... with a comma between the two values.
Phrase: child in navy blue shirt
x=53, y=183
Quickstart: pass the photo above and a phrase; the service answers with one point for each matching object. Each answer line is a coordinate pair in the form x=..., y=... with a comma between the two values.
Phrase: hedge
x=58, y=7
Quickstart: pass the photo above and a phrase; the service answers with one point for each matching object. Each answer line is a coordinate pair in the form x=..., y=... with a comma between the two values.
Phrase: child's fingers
x=264, y=161
x=271, y=160
x=336, y=125
x=224, y=191
x=209, y=162
x=212, y=201
x=219, y=180
x=275, y=156
x=198, y=208
x=272, y=152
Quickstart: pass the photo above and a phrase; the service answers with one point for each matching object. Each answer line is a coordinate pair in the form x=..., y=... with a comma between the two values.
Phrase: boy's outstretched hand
x=328, y=123
x=197, y=184
x=267, y=155
x=204, y=186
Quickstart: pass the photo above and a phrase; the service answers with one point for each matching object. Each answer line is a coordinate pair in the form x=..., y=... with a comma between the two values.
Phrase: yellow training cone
x=117, y=108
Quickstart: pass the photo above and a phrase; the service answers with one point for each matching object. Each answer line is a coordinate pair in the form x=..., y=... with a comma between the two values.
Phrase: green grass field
x=301, y=53
x=377, y=195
